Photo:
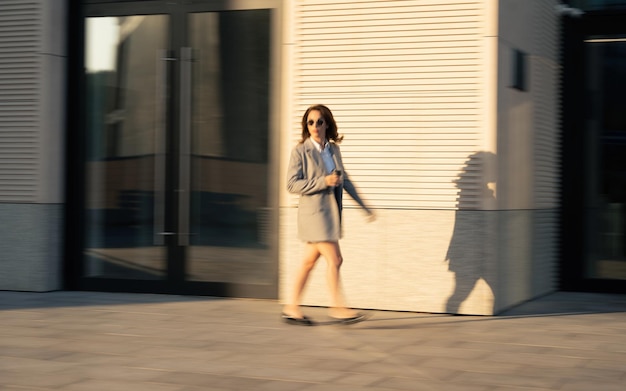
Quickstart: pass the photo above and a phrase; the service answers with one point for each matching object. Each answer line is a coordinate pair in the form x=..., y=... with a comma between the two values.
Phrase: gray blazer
x=319, y=209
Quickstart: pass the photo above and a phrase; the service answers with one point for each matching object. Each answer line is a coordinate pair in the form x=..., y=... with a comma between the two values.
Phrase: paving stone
x=410, y=384
x=12, y=378
x=333, y=364
x=481, y=366
x=359, y=379
x=618, y=364
x=491, y=379
x=344, y=387
x=582, y=374
x=108, y=385
x=294, y=374
x=112, y=372
x=592, y=385
x=276, y=385
x=210, y=380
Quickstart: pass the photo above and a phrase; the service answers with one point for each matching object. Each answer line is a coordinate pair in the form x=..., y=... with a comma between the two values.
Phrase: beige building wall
x=407, y=82
x=437, y=145
x=528, y=144
x=32, y=89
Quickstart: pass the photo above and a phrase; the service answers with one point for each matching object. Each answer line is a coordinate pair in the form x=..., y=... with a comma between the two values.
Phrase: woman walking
x=316, y=173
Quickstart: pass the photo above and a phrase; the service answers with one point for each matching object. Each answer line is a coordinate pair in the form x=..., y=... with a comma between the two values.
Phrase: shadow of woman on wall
x=466, y=252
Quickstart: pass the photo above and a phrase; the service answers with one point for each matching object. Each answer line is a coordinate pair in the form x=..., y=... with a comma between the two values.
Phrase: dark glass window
x=597, y=4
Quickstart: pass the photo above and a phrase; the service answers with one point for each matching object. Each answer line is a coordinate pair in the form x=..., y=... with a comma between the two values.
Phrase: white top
x=327, y=155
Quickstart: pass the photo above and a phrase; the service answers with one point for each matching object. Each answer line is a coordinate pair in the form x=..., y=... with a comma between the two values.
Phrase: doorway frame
x=74, y=239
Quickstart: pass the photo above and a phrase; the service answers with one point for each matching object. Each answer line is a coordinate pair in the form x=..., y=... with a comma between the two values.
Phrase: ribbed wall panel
x=545, y=251
x=404, y=81
x=544, y=89
x=20, y=36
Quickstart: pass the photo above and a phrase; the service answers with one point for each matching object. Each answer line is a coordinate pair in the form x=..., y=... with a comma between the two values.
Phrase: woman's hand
x=333, y=180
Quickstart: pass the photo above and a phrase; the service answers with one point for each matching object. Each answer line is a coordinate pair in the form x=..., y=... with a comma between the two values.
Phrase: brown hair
x=331, y=132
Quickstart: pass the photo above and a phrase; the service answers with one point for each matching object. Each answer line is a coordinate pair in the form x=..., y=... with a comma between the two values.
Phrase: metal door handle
x=185, y=147
x=159, y=146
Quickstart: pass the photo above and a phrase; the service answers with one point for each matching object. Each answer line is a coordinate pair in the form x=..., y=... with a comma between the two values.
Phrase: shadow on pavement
x=555, y=304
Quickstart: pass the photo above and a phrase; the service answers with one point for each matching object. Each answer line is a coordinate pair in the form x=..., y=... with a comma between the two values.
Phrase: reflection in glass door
x=177, y=182
x=605, y=219
x=229, y=204
x=125, y=88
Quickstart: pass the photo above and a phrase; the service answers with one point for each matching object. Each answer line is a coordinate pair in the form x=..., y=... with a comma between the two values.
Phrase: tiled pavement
x=104, y=341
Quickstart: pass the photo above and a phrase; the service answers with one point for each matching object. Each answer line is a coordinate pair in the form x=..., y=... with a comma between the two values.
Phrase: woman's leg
x=332, y=253
x=311, y=254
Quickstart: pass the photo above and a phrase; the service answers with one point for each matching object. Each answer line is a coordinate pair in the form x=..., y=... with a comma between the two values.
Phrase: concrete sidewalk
x=105, y=341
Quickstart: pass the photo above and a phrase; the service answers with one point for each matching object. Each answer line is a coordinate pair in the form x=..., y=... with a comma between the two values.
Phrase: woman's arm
x=349, y=186
x=297, y=183
x=352, y=192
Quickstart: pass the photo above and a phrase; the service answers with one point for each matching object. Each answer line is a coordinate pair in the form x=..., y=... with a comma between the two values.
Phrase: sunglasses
x=319, y=122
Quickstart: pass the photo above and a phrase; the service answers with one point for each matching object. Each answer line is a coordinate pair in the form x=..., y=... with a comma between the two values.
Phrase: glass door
x=126, y=61
x=593, y=237
x=226, y=151
x=605, y=204
x=178, y=192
